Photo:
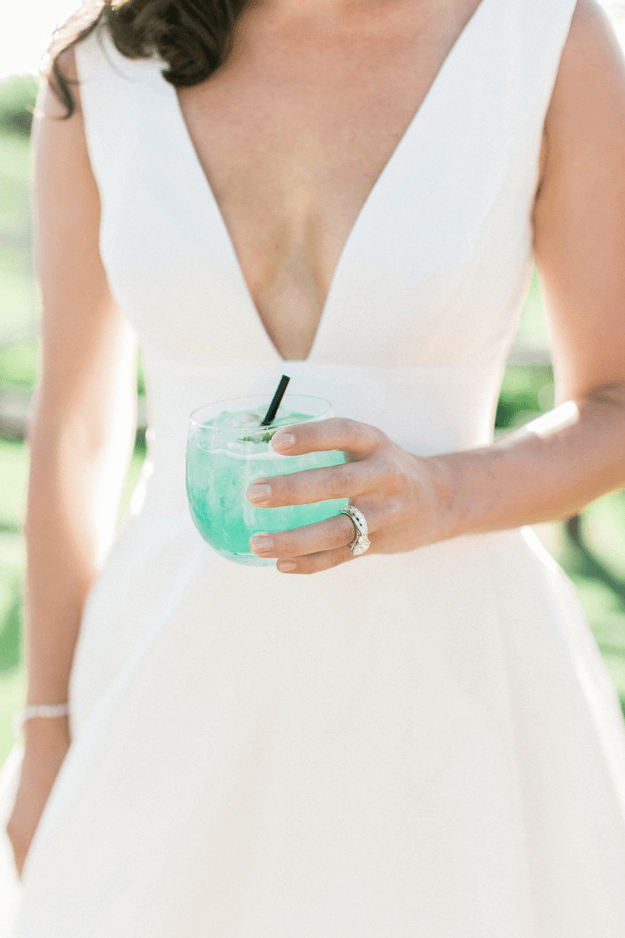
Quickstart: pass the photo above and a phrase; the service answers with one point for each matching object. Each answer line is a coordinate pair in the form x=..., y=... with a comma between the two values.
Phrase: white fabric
x=424, y=743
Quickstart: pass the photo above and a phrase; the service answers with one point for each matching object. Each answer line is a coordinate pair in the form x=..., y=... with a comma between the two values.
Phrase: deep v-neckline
x=194, y=160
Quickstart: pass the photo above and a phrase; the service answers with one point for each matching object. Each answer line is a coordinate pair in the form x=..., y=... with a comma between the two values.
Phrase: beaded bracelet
x=39, y=710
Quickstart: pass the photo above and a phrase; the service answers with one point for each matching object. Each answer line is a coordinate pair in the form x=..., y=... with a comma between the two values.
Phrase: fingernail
x=286, y=566
x=261, y=542
x=259, y=493
x=282, y=440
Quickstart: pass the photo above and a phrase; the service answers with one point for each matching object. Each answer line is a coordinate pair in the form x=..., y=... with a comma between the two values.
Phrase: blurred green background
x=591, y=548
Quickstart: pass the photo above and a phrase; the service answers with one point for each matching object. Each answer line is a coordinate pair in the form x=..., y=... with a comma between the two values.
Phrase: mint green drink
x=227, y=449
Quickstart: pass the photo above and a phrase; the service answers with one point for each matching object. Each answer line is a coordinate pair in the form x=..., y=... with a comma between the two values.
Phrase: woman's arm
x=82, y=429
x=556, y=465
x=80, y=438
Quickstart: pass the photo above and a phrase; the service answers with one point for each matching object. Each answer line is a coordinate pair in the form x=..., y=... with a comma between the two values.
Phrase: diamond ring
x=361, y=542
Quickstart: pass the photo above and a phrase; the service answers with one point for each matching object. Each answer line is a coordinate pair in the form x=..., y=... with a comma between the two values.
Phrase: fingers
x=316, y=547
x=347, y=480
x=312, y=539
x=324, y=535
x=350, y=436
x=315, y=563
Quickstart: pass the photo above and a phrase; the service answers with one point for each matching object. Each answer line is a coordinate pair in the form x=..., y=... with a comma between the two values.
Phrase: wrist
x=45, y=735
x=445, y=487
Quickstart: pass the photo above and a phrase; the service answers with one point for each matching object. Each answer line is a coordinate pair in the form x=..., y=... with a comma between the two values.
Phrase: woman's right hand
x=46, y=742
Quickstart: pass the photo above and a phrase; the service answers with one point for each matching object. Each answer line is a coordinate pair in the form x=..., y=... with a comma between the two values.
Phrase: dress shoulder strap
x=119, y=98
x=540, y=30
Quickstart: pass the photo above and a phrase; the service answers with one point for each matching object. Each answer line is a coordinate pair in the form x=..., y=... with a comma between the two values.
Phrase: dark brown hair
x=191, y=36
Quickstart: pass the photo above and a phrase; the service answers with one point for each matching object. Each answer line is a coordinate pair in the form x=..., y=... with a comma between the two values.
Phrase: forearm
x=73, y=498
x=548, y=470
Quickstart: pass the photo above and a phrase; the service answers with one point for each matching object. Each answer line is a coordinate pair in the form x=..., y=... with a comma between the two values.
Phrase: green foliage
x=17, y=100
x=11, y=634
x=19, y=364
x=140, y=377
x=19, y=302
x=525, y=394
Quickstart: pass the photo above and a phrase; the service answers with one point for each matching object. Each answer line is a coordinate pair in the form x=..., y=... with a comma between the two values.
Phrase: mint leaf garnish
x=264, y=437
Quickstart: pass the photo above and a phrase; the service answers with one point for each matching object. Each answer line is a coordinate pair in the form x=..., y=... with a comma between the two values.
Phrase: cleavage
x=292, y=164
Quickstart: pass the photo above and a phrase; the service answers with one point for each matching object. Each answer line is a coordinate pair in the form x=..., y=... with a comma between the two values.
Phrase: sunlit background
x=25, y=30
x=591, y=548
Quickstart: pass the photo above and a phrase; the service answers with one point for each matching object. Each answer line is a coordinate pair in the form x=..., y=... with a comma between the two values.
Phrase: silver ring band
x=361, y=542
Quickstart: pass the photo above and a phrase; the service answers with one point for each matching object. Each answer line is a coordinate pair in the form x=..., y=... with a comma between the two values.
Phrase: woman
x=423, y=740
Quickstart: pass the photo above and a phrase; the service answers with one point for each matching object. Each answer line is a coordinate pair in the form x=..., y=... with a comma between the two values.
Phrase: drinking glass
x=227, y=449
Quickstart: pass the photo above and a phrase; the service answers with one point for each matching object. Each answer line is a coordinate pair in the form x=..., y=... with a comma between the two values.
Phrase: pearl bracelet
x=39, y=710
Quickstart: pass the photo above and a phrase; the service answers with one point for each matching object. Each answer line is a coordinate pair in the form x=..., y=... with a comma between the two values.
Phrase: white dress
x=419, y=744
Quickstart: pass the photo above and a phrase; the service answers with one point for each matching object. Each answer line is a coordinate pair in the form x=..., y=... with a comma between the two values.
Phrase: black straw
x=277, y=400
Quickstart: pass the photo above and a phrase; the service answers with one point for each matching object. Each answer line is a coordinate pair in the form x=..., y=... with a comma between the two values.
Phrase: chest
x=431, y=262
x=293, y=132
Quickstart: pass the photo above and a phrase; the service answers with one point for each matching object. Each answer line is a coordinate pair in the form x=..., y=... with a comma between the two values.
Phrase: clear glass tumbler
x=227, y=449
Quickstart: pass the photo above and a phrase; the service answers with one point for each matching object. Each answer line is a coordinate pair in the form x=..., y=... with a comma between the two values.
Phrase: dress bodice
x=424, y=302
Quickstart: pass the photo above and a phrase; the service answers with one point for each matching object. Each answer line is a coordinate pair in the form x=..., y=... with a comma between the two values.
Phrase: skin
x=307, y=159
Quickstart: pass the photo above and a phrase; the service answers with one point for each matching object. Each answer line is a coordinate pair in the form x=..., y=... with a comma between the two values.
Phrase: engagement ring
x=361, y=542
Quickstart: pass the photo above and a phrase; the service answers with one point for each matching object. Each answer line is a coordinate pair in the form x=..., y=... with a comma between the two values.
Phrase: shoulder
x=592, y=63
x=589, y=22
x=586, y=114
x=52, y=94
